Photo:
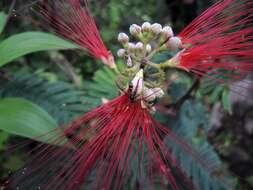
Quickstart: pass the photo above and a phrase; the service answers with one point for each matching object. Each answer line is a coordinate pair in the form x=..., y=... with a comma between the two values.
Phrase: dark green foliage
x=191, y=124
x=215, y=93
x=64, y=102
x=61, y=99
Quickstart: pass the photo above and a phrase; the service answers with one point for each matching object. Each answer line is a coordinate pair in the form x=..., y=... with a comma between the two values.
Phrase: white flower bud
x=159, y=93
x=174, y=43
x=139, y=46
x=146, y=26
x=150, y=94
x=131, y=46
x=123, y=38
x=156, y=28
x=135, y=30
x=121, y=53
x=167, y=32
x=138, y=82
x=148, y=48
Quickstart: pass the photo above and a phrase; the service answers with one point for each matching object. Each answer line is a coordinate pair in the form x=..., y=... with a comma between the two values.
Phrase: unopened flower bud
x=167, y=32
x=159, y=93
x=139, y=46
x=131, y=46
x=138, y=82
x=146, y=26
x=150, y=94
x=156, y=28
x=174, y=43
x=123, y=38
x=135, y=30
x=121, y=53
x=148, y=48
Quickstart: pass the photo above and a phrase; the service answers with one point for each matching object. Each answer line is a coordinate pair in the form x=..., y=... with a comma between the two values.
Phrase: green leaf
x=29, y=42
x=102, y=86
x=3, y=137
x=3, y=20
x=60, y=99
x=23, y=118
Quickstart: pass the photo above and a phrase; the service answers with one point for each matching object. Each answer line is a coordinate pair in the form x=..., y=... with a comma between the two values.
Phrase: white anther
x=156, y=28
x=174, y=43
x=123, y=38
x=167, y=32
x=135, y=29
x=146, y=26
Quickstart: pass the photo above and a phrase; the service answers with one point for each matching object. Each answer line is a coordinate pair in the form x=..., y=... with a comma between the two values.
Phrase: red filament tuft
x=101, y=148
x=72, y=20
x=219, y=43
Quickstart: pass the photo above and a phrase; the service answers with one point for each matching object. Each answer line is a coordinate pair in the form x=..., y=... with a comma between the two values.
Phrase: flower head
x=106, y=141
x=218, y=44
x=72, y=20
x=105, y=145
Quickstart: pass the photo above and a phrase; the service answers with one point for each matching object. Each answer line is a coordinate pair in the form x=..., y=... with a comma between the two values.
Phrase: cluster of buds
x=147, y=95
x=149, y=39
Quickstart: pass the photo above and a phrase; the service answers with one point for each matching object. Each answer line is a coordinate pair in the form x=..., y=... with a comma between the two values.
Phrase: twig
x=174, y=108
x=63, y=64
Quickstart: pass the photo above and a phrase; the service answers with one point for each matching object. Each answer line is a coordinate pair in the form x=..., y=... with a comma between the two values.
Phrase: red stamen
x=105, y=145
x=220, y=40
x=72, y=20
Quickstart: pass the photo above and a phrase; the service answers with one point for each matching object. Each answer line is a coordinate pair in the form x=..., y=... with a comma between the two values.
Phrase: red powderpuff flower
x=219, y=43
x=103, y=144
x=72, y=20
x=102, y=147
